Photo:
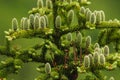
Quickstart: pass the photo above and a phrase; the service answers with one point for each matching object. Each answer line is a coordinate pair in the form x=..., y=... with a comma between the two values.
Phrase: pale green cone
x=116, y=20
x=49, y=4
x=40, y=3
x=98, y=17
x=58, y=22
x=106, y=50
x=82, y=10
x=92, y=18
x=79, y=38
x=102, y=15
x=96, y=58
x=31, y=18
x=36, y=22
x=42, y=22
x=86, y=61
x=21, y=23
x=69, y=36
x=91, y=59
x=112, y=78
x=88, y=15
x=14, y=24
x=102, y=59
x=26, y=24
x=88, y=41
x=47, y=68
x=86, y=10
x=70, y=16
x=46, y=20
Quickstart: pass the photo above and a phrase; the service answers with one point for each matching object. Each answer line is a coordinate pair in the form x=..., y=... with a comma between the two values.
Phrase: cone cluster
x=35, y=21
x=98, y=57
x=48, y=4
x=78, y=38
x=95, y=17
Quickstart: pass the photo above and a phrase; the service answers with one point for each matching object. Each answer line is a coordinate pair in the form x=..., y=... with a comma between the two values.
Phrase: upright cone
x=88, y=41
x=106, y=50
x=21, y=23
x=14, y=24
x=93, y=18
x=49, y=4
x=98, y=17
x=69, y=37
x=102, y=15
x=102, y=59
x=96, y=58
x=42, y=22
x=79, y=38
x=58, y=22
x=40, y=3
x=86, y=61
x=26, y=24
x=36, y=22
x=82, y=10
x=46, y=20
x=70, y=16
x=31, y=18
x=47, y=68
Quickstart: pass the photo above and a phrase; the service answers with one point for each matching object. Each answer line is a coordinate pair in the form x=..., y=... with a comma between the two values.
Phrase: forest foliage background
x=19, y=8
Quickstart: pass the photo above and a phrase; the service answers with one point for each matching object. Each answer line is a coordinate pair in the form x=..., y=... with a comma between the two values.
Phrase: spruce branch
x=40, y=33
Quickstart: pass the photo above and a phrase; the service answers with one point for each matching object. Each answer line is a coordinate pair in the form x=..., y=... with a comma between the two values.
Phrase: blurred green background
x=19, y=8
